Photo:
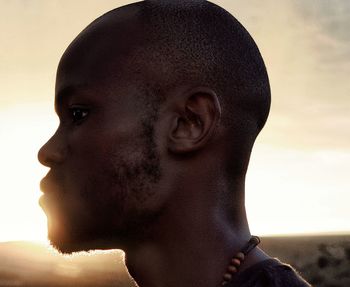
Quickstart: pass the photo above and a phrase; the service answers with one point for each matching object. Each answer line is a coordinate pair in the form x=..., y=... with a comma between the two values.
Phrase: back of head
x=198, y=43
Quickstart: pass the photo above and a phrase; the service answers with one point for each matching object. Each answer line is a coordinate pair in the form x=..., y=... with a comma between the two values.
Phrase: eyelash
x=78, y=114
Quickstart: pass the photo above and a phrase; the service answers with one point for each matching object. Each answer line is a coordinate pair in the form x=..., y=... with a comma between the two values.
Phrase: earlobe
x=194, y=125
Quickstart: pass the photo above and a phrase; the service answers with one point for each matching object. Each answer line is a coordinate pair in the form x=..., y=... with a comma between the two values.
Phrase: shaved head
x=164, y=44
x=180, y=78
x=169, y=43
x=159, y=104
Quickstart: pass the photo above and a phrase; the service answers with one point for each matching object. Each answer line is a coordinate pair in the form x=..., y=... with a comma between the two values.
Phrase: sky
x=298, y=179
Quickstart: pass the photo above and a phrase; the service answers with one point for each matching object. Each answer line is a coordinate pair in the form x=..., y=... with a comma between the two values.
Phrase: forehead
x=100, y=54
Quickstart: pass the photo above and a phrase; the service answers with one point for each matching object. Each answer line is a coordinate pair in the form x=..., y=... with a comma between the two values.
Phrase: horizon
x=267, y=236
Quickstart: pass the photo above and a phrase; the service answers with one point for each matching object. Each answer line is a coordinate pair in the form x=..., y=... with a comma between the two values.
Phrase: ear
x=198, y=114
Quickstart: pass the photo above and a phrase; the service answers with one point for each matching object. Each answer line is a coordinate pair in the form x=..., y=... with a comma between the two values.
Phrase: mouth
x=44, y=184
x=42, y=200
x=49, y=188
x=49, y=198
x=48, y=184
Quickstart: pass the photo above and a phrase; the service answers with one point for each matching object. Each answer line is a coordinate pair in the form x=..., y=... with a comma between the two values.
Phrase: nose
x=53, y=152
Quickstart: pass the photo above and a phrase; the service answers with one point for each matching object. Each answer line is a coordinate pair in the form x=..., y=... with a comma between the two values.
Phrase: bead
x=232, y=269
x=254, y=240
x=227, y=276
x=235, y=262
x=238, y=259
x=240, y=256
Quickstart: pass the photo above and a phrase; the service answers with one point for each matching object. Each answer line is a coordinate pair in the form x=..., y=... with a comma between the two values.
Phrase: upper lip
x=44, y=184
x=48, y=183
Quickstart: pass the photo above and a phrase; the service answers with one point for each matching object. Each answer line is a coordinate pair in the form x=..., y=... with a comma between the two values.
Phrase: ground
x=323, y=260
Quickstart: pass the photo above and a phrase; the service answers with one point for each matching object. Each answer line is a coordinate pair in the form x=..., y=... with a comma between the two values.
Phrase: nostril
x=51, y=152
x=49, y=158
x=42, y=156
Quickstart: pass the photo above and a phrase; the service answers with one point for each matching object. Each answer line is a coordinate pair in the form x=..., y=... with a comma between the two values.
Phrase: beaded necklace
x=238, y=259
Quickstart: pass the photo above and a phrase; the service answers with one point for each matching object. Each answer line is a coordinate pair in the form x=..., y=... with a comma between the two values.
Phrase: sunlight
x=297, y=191
x=23, y=129
x=288, y=191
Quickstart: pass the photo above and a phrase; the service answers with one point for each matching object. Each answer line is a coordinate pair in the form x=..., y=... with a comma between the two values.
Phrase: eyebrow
x=63, y=95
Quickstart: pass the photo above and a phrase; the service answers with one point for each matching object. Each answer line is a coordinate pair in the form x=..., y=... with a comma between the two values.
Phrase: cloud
x=306, y=47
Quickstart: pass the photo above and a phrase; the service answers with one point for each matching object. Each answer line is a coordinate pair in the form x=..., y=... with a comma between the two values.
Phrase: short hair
x=199, y=43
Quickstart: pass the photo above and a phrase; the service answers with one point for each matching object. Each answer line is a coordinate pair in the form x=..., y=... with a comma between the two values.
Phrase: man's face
x=104, y=169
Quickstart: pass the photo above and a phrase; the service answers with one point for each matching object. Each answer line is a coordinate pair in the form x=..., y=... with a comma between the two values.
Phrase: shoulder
x=271, y=273
x=281, y=274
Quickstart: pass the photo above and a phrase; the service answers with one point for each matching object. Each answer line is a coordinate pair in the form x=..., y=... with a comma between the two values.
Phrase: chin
x=62, y=236
x=69, y=245
x=61, y=242
x=64, y=247
x=69, y=233
x=74, y=239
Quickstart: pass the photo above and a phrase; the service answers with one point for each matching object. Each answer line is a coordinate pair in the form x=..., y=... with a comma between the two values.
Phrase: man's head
x=154, y=98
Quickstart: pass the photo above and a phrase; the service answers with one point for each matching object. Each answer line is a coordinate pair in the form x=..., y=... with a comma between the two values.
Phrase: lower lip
x=43, y=201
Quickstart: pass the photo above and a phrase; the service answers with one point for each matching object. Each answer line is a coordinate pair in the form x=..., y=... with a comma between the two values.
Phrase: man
x=159, y=105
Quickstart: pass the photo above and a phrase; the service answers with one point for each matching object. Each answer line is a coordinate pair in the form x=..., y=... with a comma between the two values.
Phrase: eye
x=78, y=114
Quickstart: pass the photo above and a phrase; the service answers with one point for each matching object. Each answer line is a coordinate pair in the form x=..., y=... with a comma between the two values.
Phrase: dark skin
x=174, y=223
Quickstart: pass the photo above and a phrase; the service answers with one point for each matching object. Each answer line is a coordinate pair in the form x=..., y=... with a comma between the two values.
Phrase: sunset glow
x=20, y=215
x=298, y=180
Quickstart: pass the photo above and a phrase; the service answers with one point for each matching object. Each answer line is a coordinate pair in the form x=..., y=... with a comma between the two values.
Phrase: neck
x=188, y=257
x=191, y=244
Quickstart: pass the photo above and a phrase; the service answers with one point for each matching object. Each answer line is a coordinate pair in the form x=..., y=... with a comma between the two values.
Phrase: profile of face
x=103, y=158
x=141, y=126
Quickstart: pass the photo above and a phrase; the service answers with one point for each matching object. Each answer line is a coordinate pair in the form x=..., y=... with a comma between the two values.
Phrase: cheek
x=101, y=194
x=91, y=150
x=96, y=207
x=112, y=172
x=93, y=193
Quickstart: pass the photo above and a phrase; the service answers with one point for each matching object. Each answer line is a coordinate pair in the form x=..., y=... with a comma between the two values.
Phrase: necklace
x=238, y=259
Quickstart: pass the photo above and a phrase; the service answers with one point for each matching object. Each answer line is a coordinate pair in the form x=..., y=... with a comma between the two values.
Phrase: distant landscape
x=323, y=260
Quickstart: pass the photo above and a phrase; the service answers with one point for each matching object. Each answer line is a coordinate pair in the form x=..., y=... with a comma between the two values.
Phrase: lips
x=48, y=185
x=51, y=189
x=42, y=201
